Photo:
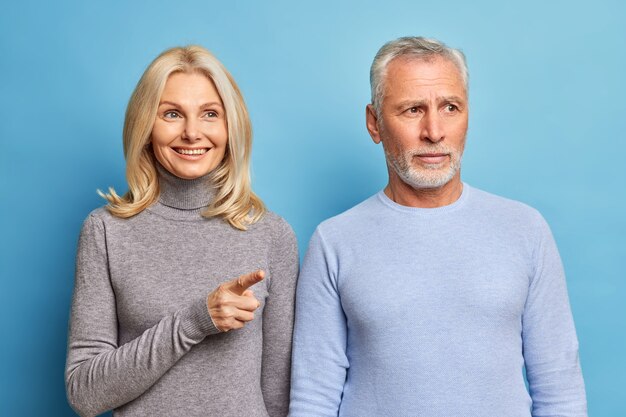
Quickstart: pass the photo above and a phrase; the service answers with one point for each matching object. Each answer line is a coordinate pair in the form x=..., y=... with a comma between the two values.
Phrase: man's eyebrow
x=453, y=99
x=411, y=103
x=421, y=102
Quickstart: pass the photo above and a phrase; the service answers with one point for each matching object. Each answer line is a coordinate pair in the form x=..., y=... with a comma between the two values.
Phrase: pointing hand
x=232, y=304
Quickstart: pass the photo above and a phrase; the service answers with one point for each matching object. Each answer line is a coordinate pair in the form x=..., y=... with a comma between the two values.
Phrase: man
x=430, y=298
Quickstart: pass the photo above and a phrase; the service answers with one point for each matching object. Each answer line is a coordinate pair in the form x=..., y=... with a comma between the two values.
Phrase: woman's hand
x=232, y=304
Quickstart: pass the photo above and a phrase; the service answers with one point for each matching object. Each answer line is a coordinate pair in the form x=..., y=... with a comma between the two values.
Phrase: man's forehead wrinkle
x=441, y=87
x=440, y=90
x=430, y=82
x=396, y=72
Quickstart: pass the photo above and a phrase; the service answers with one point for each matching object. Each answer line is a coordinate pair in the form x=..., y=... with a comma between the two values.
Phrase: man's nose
x=432, y=129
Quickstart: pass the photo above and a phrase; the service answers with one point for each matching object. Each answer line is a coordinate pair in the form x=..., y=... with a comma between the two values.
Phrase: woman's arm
x=278, y=320
x=100, y=375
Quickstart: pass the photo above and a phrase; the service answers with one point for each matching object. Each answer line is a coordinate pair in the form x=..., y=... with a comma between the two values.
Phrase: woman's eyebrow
x=212, y=103
x=208, y=104
x=170, y=103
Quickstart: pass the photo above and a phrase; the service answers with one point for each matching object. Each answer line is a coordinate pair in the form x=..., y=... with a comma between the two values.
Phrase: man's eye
x=413, y=110
x=451, y=107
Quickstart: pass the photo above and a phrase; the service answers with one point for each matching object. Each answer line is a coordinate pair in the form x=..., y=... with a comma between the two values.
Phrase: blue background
x=547, y=127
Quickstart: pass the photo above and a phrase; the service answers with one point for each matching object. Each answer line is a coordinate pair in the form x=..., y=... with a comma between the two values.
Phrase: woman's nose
x=191, y=132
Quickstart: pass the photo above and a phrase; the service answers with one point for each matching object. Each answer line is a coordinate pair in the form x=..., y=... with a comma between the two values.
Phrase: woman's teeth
x=191, y=151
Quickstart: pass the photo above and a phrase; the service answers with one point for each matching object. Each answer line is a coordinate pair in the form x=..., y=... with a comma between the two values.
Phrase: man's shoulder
x=504, y=209
x=353, y=216
x=351, y=223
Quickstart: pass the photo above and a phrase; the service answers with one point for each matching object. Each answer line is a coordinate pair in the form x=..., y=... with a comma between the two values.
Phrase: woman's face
x=189, y=136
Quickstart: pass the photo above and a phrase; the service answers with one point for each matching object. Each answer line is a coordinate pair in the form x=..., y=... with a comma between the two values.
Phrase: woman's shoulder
x=96, y=217
x=102, y=217
x=101, y=213
x=280, y=238
x=272, y=219
x=273, y=224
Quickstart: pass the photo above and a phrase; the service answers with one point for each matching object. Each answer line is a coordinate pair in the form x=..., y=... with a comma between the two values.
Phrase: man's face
x=422, y=122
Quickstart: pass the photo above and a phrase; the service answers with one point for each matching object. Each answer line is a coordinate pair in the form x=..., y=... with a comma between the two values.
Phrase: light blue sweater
x=407, y=312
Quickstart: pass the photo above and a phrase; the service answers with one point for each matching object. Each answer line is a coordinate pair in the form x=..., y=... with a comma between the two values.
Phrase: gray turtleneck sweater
x=141, y=340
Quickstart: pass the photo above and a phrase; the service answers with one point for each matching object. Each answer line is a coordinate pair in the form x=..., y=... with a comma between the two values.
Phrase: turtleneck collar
x=185, y=194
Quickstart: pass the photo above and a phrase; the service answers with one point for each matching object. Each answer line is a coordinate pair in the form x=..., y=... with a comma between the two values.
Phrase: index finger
x=243, y=282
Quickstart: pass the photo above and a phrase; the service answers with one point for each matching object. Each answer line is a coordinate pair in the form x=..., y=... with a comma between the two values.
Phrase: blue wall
x=547, y=124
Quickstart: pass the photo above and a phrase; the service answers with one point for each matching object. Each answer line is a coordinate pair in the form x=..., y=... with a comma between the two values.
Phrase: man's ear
x=371, y=121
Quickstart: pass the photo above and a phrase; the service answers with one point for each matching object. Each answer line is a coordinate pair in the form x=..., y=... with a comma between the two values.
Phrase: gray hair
x=413, y=47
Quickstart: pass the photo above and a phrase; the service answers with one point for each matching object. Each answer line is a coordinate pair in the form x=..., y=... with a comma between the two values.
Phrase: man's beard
x=425, y=175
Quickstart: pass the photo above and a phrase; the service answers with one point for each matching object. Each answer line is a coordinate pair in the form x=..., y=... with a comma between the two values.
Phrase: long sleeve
x=550, y=345
x=319, y=358
x=100, y=375
x=278, y=316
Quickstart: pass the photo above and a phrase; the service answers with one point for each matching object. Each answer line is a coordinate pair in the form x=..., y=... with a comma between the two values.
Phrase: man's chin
x=422, y=181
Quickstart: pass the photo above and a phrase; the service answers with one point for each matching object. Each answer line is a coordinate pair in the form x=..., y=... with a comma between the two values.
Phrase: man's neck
x=405, y=195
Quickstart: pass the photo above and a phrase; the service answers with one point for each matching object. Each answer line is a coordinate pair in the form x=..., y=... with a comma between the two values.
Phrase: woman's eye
x=170, y=115
x=211, y=113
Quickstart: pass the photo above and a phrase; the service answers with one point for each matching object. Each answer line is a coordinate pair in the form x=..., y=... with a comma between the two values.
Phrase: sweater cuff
x=196, y=321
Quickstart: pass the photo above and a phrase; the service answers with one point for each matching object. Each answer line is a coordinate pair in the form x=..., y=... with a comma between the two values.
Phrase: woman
x=184, y=291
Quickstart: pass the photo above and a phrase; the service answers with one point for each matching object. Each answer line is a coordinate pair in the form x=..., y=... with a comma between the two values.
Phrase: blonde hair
x=234, y=202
